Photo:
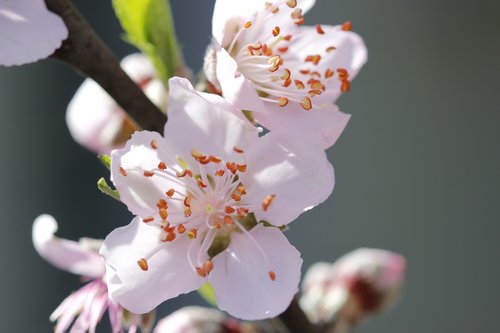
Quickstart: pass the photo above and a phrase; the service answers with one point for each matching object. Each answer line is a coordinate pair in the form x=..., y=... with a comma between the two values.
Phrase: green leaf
x=103, y=186
x=105, y=160
x=150, y=27
x=207, y=292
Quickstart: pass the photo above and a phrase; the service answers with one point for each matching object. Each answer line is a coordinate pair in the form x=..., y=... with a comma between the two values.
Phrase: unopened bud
x=361, y=282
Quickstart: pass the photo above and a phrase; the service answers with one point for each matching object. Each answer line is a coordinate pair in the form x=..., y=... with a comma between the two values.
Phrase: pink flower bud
x=194, y=319
x=359, y=283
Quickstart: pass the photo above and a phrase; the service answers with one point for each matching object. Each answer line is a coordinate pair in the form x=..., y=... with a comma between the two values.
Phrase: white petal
x=169, y=273
x=64, y=254
x=205, y=122
x=240, y=277
x=296, y=171
x=28, y=31
x=323, y=126
x=138, y=67
x=138, y=192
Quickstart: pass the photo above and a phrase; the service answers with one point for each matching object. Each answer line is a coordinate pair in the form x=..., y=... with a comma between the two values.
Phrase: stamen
x=143, y=264
x=219, y=173
x=169, y=238
x=163, y=214
x=247, y=25
x=330, y=49
x=184, y=173
x=187, y=212
x=201, y=271
x=238, y=150
x=242, y=212
x=228, y=220
x=299, y=84
x=123, y=172
x=170, y=193
x=187, y=201
x=267, y=201
x=181, y=229
x=328, y=73
x=276, y=31
x=272, y=275
x=229, y=210
x=162, y=204
x=154, y=144
x=306, y=103
x=283, y=49
x=208, y=266
x=291, y=3
x=319, y=29
x=235, y=197
x=297, y=13
x=346, y=86
x=287, y=38
x=282, y=101
x=347, y=26
x=148, y=219
x=242, y=190
x=201, y=184
x=192, y=233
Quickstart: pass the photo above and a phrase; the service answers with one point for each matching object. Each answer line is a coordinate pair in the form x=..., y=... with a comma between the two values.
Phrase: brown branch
x=295, y=319
x=86, y=52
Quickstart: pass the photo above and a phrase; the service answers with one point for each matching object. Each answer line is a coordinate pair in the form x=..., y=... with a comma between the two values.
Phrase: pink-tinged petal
x=293, y=170
x=168, y=275
x=321, y=126
x=241, y=275
x=237, y=89
x=28, y=31
x=93, y=118
x=205, y=122
x=68, y=255
x=193, y=319
x=143, y=153
x=138, y=67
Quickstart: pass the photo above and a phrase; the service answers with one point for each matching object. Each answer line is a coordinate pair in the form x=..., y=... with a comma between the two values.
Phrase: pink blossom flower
x=288, y=75
x=197, y=191
x=361, y=282
x=95, y=120
x=29, y=32
x=88, y=304
x=195, y=319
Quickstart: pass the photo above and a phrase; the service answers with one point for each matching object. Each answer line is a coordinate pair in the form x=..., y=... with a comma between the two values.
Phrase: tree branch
x=86, y=52
x=295, y=319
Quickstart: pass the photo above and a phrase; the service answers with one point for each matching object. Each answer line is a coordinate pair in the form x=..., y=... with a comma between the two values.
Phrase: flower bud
x=194, y=319
x=361, y=282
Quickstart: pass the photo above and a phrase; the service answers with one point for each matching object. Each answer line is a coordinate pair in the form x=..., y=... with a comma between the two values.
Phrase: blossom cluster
x=238, y=161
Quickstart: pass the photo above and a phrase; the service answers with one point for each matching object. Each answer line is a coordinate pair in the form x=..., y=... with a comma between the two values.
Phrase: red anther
x=242, y=212
x=187, y=212
x=229, y=210
x=330, y=49
x=286, y=74
x=304, y=71
x=247, y=24
x=283, y=49
x=316, y=74
x=187, y=201
x=235, y=197
x=314, y=92
x=276, y=31
x=291, y=3
x=329, y=73
x=282, y=101
x=143, y=264
x=201, y=184
x=184, y=173
x=219, y=173
x=214, y=159
x=273, y=68
x=170, y=193
x=272, y=275
x=208, y=266
x=162, y=166
x=241, y=167
x=306, y=103
x=238, y=150
x=266, y=50
x=181, y=229
x=148, y=219
x=287, y=83
x=299, y=21
x=163, y=214
x=169, y=237
x=201, y=272
x=347, y=26
x=315, y=59
x=317, y=85
x=154, y=144
x=267, y=201
x=123, y=172
x=228, y=220
x=319, y=29
x=192, y=233
x=242, y=190
x=299, y=84
x=346, y=86
x=162, y=204
x=343, y=73
x=287, y=38
x=297, y=13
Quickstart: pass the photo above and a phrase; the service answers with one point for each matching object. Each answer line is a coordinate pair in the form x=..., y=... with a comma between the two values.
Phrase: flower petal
x=296, y=171
x=68, y=255
x=206, y=122
x=30, y=32
x=169, y=273
x=241, y=278
x=321, y=126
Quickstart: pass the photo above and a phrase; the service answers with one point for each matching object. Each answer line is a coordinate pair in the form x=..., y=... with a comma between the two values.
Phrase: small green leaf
x=103, y=186
x=150, y=27
x=207, y=292
x=105, y=160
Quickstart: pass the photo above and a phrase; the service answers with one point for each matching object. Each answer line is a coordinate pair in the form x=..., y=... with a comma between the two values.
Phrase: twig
x=85, y=51
x=295, y=319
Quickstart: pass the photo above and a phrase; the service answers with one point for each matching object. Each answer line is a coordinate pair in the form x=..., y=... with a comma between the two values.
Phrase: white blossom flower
x=198, y=192
x=28, y=31
x=288, y=75
x=195, y=319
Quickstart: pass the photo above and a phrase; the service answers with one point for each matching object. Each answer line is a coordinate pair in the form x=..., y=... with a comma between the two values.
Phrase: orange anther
x=299, y=21
x=287, y=38
x=329, y=73
x=192, y=233
x=181, y=229
x=123, y=172
x=143, y=264
x=163, y=214
x=238, y=150
x=299, y=84
x=229, y=210
x=169, y=237
x=219, y=173
x=148, y=219
x=291, y=3
x=287, y=82
x=306, y=103
x=242, y=212
x=184, y=173
x=214, y=159
x=201, y=272
x=267, y=201
x=242, y=190
x=255, y=46
x=187, y=201
x=346, y=86
x=304, y=71
x=314, y=92
x=235, y=197
x=330, y=49
x=282, y=101
x=247, y=24
x=347, y=26
x=272, y=275
x=187, y=212
x=276, y=31
x=319, y=29
x=241, y=167
x=162, y=166
x=196, y=153
x=201, y=184
x=283, y=49
x=228, y=220
x=170, y=193
x=208, y=266
x=154, y=144
x=297, y=13
x=317, y=85
x=162, y=203
x=286, y=74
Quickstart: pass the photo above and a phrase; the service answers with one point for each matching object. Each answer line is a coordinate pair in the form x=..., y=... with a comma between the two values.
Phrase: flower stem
x=86, y=52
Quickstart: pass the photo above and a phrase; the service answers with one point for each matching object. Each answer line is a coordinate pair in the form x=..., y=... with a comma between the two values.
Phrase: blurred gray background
x=418, y=168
